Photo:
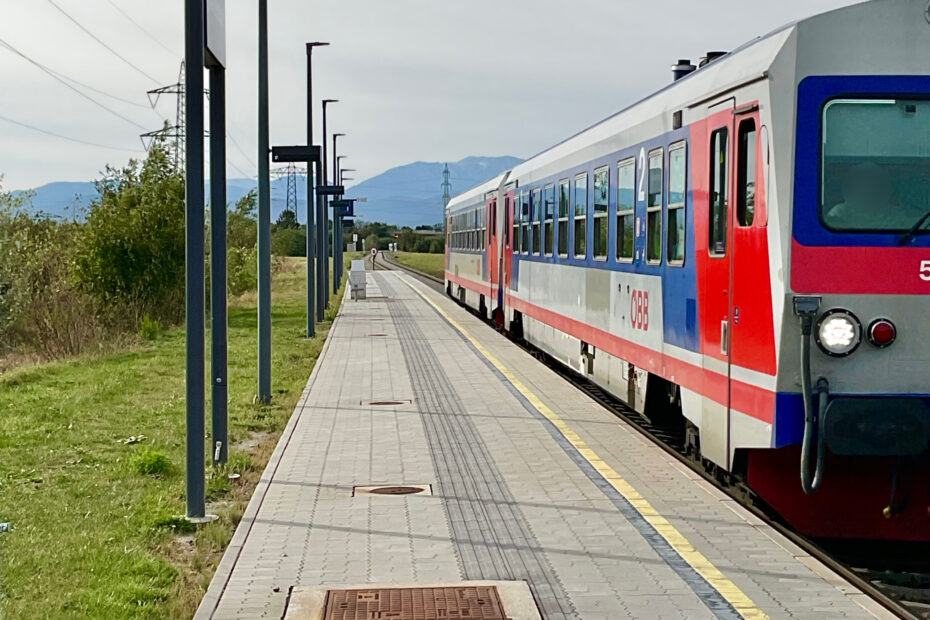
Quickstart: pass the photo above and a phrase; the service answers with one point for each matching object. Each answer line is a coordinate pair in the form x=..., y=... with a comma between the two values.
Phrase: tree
x=131, y=250
x=371, y=241
x=289, y=242
x=241, y=225
x=287, y=219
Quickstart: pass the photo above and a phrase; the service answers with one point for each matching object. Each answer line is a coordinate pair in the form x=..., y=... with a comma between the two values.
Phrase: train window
x=508, y=214
x=654, y=208
x=479, y=216
x=675, y=241
x=718, y=192
x=517, y=201
x=549, y=215
x=581, y=214
x=601, y=199
x=564, y=201
x=875, y=164
x=525, y=215
x=746, y=173
x=626, y=192
x=537, y=218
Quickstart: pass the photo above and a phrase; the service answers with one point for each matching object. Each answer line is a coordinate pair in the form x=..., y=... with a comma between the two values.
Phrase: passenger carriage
x=736, y=249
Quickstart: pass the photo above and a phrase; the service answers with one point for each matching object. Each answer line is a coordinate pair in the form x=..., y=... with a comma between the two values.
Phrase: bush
x=41, y=308
x=241, y=223
x=289, y=242
x=241, y=270
x=151, y=463
x=131, y=249
x=149, y=328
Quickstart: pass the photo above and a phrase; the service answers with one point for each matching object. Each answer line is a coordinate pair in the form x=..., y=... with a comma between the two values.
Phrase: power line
x=146, y=32
x=98, y=40
x=82, y=94
x=68, y=138
x=240, y=149
x=55, y=73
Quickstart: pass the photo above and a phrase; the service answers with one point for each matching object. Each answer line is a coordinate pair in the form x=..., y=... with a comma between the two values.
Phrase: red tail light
x=882, y=333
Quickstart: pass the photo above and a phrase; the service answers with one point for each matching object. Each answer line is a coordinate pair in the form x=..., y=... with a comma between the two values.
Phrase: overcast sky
x=418, y=80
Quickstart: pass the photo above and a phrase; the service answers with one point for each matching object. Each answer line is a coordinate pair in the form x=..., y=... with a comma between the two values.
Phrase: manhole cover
x=384, y=403
x=393, y=489
x=376, y=335
x=396, y=490
x=461, y=603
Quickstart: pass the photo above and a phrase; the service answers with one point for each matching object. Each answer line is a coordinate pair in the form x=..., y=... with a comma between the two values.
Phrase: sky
x=417, y=80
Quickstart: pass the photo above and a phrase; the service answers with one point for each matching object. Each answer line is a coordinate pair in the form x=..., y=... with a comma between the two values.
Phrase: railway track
x=896, y=576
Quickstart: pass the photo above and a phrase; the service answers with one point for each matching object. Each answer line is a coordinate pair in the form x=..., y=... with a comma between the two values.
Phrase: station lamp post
x=337, y=223
x=325, y=204
x=316, y=238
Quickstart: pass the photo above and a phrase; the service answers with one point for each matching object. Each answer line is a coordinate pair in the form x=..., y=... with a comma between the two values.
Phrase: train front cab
x=856, y=323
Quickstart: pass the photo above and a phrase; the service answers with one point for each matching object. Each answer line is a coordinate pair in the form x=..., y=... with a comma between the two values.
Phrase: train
x=744, y=253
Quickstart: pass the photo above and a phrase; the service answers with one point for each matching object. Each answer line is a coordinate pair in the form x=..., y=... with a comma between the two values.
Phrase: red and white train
x=746, y=249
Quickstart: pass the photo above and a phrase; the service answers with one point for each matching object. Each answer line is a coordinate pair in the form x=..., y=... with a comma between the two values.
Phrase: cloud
x=417, y=80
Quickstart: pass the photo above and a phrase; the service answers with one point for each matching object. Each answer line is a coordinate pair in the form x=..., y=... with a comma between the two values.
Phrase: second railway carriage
x=743, y=251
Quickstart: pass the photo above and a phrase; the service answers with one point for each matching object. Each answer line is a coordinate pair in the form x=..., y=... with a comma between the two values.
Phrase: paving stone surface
x=510, y=500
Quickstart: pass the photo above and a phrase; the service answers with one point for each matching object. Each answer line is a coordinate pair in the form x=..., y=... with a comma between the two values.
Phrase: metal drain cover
x=461, y=603
x=385, y=403
x=396, y=490
x=392, y=489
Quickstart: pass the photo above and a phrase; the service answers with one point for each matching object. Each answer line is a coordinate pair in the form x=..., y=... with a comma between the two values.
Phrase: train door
x=448, y=237
x=493, y=264
x=752, y=334
x=507, y=263
x=715, y=293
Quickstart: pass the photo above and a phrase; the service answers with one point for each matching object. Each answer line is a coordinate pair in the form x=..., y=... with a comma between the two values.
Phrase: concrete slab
x=531, y=482
x=309, y=603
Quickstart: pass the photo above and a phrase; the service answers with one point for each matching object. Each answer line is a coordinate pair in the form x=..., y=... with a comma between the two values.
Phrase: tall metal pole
x=264, y=213
x=194, y=284
x=313, y=258
x=325, y=201
x=337, y=224
x=218, y=351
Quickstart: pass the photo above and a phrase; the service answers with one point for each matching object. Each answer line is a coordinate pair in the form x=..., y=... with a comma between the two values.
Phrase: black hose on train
x=813, y=421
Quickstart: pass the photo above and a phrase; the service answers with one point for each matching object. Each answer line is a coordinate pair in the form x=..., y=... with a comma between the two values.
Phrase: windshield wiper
x=913, y=230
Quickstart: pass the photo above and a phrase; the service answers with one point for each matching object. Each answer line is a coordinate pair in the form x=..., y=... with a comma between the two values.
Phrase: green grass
x=92, y=469
x=433, y=264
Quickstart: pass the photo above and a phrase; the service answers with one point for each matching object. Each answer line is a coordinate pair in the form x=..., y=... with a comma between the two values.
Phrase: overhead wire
x=68, y=138
x=140, y=27
x=53, y=72
x=101, y=42
x=81, y=93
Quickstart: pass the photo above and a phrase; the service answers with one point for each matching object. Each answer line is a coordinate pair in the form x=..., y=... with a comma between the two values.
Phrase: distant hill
x=407, y=195
x=412, y=195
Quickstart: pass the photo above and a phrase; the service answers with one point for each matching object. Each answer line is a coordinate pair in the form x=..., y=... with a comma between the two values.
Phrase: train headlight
x=838, y=332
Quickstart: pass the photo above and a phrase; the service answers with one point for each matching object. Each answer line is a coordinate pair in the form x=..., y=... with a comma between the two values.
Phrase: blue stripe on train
x=679, y=283
x=789, y=416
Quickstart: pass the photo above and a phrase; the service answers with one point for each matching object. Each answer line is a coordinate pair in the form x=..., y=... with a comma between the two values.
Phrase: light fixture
x=882, y=333
x=839, y=332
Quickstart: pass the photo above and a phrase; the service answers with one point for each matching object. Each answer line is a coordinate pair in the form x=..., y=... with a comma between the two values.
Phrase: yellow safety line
x=727, y=589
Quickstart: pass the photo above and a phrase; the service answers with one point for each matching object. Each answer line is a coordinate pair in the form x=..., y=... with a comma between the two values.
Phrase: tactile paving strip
x=457, y=602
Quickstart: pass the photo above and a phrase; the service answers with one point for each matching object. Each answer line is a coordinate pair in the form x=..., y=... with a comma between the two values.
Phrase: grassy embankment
x=92, y=468
x=433, y=264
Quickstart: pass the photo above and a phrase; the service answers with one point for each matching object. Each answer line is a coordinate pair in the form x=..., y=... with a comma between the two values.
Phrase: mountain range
x=408, y=195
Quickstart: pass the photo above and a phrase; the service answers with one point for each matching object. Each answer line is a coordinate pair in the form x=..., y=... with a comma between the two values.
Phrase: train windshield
x=875, y=164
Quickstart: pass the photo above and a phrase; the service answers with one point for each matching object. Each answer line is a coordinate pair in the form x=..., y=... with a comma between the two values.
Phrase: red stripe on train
x=752, y=400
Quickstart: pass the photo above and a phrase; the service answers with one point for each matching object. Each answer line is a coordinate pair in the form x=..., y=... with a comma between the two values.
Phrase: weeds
x=151, y=463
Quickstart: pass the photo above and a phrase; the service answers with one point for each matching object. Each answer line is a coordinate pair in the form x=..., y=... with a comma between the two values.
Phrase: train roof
x=476, y=194
x=745, y=63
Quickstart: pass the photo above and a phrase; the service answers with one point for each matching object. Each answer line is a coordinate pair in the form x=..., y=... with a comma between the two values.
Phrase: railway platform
x=433, y=464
